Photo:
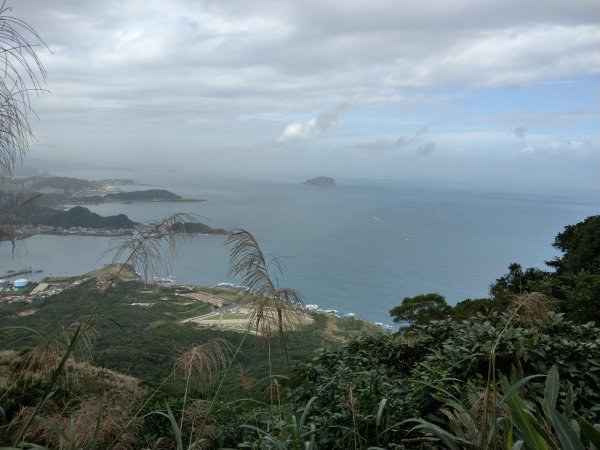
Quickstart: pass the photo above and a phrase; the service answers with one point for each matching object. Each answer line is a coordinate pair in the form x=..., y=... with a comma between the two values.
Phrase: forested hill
x=149, y=195
x=60, y=191
x=78, y=217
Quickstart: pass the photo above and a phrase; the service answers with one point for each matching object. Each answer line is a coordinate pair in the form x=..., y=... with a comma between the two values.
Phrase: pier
x=16, y=273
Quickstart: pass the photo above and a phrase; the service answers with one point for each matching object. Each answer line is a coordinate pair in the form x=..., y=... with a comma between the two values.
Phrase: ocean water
x=358, y=247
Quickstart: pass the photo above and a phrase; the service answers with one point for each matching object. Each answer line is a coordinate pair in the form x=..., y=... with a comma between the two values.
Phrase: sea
x=359, y=247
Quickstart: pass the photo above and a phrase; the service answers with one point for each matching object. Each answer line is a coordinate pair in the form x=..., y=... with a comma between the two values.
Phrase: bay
x=358, y=247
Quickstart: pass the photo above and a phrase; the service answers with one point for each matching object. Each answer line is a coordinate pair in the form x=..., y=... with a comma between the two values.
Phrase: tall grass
x=155, y=241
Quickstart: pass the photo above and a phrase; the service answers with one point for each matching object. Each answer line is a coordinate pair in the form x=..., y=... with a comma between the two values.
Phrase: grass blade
x=568, y=438
x=551, y=388
x=521, y=417
x=590, y=432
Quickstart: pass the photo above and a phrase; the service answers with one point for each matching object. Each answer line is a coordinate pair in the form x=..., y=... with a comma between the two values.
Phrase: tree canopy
x=420, y=309
x=580, y=244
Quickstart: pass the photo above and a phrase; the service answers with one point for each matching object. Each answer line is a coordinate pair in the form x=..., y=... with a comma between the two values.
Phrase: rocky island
x=320, y=181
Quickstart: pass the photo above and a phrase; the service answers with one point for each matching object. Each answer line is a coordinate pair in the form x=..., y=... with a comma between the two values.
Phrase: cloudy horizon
x=464, y=90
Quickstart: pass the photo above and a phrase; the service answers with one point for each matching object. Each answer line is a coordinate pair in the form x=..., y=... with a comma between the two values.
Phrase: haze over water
x=358, y=247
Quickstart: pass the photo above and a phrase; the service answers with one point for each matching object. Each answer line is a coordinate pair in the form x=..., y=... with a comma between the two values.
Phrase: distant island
x=320, y=181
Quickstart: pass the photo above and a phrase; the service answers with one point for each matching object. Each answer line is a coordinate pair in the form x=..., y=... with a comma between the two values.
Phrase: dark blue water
x=357, y=247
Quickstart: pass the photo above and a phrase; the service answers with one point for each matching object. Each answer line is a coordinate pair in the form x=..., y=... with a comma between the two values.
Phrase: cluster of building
x=23, y=290
x=29, y=230
x=7, y=285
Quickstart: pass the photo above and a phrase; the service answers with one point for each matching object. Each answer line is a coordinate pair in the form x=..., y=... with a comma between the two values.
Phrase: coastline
x=21, y=233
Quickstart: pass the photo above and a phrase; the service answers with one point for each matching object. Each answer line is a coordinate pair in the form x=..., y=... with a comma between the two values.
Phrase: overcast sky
x=471, y=90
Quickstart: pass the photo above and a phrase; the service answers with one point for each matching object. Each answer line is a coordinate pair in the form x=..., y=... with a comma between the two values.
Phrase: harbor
x=18, y=272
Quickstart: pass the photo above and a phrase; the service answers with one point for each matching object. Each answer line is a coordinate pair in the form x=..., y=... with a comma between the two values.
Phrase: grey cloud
x=280, y=53
x=178, y=74
x=426, y=149
x=520, y=132
x=416, y=143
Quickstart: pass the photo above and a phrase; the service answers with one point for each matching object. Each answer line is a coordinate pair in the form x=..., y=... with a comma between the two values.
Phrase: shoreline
x=22, y=233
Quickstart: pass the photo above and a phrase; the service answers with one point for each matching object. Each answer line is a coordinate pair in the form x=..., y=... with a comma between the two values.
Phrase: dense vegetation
x=520, y=369
x=77, y=216
x=148, y=195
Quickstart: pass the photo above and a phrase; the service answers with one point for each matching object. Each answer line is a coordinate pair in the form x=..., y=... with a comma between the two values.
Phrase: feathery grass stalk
x=21, y=74
x=21, y=373
x=12, y=207
x=185, y=396
x=136, y=244
x=536, y=307
x=283, y=340
x=212, y=402
x=249, y=263
x=141, y=408
x=204, y=361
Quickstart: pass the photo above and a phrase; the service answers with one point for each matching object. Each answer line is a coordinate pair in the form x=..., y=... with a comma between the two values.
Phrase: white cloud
x=505, y=57
x=314, y=127
x=553, y=148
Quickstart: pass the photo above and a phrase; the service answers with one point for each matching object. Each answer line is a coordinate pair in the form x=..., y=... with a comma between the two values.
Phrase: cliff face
x=320, y=181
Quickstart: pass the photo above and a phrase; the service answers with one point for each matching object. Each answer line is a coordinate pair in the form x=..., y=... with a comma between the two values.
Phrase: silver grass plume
x=272, y=307
x=204, y=363
x=532, y=308
x=152, y=248
x=21, y=74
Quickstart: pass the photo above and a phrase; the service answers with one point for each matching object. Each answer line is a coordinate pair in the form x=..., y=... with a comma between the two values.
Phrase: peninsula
x=148, y=195
x=51, y=209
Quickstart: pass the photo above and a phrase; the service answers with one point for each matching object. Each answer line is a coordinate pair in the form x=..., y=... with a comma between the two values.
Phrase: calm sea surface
x=358, y=247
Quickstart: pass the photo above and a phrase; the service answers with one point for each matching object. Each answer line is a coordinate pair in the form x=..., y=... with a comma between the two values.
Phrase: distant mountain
x=77, y=217
x=149, y=195
x=63, y=183
x=320, y=181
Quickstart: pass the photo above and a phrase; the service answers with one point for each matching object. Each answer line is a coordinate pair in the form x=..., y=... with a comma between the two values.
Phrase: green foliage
x=574, y=286
x=578, y=294
x=516, y=282
x=469, y=308
x=533, y=423
x=420, y=309
x=580, y=244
